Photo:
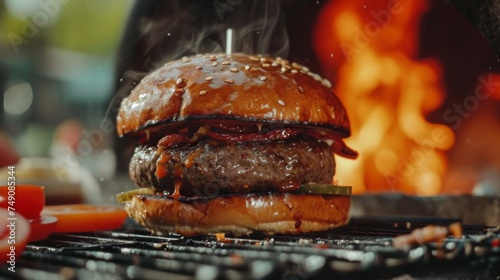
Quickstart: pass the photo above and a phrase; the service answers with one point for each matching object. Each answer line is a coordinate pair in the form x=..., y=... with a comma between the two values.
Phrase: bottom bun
x=267, y=213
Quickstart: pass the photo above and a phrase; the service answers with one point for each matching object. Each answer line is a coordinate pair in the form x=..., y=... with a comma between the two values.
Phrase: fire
x=370, y=52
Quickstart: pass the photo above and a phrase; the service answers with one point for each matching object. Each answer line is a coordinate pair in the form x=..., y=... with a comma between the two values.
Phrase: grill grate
x=361, y=249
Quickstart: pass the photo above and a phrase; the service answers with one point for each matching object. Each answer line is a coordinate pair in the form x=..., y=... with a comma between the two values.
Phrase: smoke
x=159, y=31
x=181, y=29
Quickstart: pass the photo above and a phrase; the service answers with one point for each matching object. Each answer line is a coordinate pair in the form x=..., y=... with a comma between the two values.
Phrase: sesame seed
x=203, y=92
x=179, y=90
x=215, y=64
x=253, y=70
x=327, y=83
x=274, y=64
x=278, y=58
x=305, y=68
x=281, y=102
x=254, y=58
x=226, y=63
x=263, y=59
x=199, y=55
x=301, y=89
x=199, y=67
x=247, y=67
x=296, y=65
x=294, y=71
x=229, y=81
x=233, y=69
x=265, y=65
x=283, y=69
x=209, y=78
x=186, y=60
x=213, y=58
x=262, y=78
x=179, y=81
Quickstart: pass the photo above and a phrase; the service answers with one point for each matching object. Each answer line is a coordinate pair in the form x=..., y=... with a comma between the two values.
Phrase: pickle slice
x=326, y=189
x=124, y=197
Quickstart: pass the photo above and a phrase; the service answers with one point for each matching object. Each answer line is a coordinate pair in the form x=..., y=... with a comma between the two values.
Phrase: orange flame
x=369, y=51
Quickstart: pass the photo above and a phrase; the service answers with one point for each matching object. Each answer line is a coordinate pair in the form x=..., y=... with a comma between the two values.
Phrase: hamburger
x=235, y=144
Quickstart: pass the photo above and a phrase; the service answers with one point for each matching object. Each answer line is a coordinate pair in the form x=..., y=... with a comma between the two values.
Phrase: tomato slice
x=42, y=227
x=13, y=236
x=27, y=200
x=86, y=217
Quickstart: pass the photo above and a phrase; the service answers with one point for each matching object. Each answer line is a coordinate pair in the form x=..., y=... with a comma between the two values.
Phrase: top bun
x=236, y=86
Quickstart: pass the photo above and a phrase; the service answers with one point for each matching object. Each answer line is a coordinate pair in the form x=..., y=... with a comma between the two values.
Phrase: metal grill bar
x=361, y=249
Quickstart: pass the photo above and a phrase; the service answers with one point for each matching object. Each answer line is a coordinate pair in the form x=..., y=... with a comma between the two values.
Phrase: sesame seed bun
x=238, y=87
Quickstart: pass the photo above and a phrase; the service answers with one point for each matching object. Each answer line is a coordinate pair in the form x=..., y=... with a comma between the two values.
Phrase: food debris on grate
x=361, y=249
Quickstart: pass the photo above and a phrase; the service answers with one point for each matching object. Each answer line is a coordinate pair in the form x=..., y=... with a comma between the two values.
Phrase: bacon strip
x=172, y=139
x=242, y=133
x=280, y=134
x=237, y=128
x=430, y=233
x=339, y=147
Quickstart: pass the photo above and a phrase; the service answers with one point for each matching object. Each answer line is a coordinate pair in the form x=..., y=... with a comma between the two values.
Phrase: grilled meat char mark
x=211, y=167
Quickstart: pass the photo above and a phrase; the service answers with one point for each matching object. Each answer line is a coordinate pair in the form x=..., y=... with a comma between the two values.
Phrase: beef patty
x=211, y=167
